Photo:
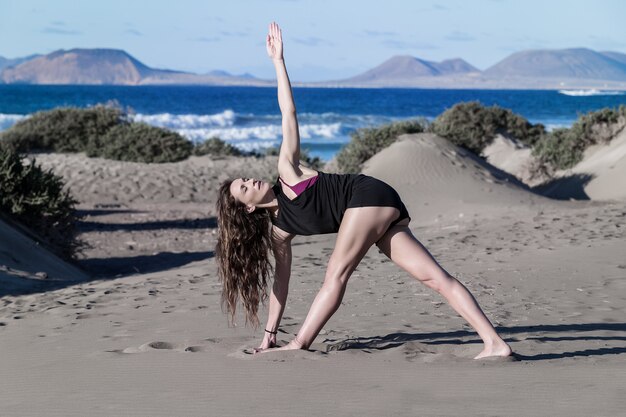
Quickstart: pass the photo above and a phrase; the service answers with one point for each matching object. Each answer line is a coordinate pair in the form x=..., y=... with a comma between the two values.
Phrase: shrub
x=35, y=198
x=557, y=150
x=102, y=130
x=64, y=129
x=563, y=148
x=367, y=142
x=473, y=126
x=216, y=147
x=140, y=142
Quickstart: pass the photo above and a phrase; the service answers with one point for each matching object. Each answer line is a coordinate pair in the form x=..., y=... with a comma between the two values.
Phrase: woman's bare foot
x=500, y=348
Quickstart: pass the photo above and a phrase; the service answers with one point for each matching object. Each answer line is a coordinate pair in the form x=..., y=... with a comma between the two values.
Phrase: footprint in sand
x=159, y=345
x=245, y=352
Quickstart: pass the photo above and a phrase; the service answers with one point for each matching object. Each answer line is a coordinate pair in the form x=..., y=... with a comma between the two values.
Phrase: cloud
x=57, y=27
x=313, y=41
x=399, y=44
x=434, y=8
x=604, y=42
x=527, y=42
x=234, y=34
x=133, y=32
x=459, y=37
x=376, y=33
x=206, y=39
x=59, y=31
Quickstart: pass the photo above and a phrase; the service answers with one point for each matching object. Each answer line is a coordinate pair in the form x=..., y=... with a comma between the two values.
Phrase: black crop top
x=319, y=209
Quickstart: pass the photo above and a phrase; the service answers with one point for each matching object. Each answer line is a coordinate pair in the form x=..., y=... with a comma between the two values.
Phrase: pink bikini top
x=302, y=185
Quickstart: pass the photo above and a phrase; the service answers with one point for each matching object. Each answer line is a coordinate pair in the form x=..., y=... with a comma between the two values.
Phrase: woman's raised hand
x=274, y=42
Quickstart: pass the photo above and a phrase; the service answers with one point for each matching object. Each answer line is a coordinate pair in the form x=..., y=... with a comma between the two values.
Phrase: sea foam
x=592, y=92
x=8, y=120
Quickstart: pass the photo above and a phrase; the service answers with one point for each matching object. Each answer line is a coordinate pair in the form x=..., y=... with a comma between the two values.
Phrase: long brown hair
x=242, y=253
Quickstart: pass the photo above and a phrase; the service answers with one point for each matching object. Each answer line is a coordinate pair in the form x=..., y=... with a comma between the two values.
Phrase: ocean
x=249, y=117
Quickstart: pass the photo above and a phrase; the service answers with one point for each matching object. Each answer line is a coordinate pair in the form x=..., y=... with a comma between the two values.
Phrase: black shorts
x=371, y=192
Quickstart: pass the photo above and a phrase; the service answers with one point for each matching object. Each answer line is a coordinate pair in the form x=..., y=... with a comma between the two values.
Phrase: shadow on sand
x=103, y=268
x=394, y=340
x=142, y=264
x=206, y=223
x=566, y=188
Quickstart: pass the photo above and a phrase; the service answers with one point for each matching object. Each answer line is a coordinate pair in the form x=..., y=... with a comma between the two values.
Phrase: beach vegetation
x=36, y=199
x=140, y=142
x=216, y=147
x=367, y=142
x=473, y=126
x=100, y=131
x=63, y=129
x=564, y=147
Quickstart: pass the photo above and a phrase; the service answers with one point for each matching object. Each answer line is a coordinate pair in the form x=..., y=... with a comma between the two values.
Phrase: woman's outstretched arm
x=290, y=147
x=281, y=246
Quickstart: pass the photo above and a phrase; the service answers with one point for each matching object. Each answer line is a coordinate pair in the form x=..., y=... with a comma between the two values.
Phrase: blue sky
x=324, y=39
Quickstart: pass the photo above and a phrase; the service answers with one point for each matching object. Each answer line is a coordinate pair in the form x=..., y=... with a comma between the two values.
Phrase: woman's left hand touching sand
x=293, y=345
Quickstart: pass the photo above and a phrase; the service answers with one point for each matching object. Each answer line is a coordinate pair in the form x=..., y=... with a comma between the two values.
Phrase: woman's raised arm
x=290, y=147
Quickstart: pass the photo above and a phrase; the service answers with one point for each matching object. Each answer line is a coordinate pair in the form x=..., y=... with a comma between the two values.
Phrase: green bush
x=367, y=142
x=64, y=129
x=140, y=142
x=103, y=131
x=557, y=149
x=35, y=198
x=473, y=126
x=216, y=147
x=563, y=148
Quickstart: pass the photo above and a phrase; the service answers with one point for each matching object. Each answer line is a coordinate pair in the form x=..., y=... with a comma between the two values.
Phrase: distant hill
x=105, y=67
x=7, y=62
x=404, y=67
x=617, y=56
x=575, y=68
x=579, y=63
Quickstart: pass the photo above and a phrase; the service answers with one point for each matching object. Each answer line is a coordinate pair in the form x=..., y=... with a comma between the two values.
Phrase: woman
x=362, y=210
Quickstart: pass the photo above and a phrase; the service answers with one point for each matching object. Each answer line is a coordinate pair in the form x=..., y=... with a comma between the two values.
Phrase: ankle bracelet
x=271, y=332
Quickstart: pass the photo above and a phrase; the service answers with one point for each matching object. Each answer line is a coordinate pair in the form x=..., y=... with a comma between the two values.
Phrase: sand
x=144, y=335
x=601, y=175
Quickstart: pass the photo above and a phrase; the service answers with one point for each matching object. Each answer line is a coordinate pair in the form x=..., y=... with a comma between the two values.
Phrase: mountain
x=617, y=56
x=80, y=66
x=105, y=67
x=575, y=68
x=222, y=73
x=7, y=62
x=576, y=63
x=405, y=67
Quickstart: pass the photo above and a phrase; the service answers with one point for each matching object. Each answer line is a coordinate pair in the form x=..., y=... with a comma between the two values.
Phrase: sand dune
x=437, y=180
x=512, y=156
x=24, y=264
x=98, y=180
x=601, y=175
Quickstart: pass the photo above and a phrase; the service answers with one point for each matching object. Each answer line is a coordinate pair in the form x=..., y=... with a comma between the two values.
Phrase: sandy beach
x=136, y=328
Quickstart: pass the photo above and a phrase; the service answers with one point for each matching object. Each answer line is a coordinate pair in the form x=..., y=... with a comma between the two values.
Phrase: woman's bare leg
x=406, y=251
x=360, y=228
